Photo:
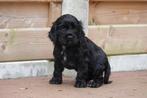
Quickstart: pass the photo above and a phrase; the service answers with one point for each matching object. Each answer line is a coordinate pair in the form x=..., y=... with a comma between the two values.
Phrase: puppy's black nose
x=69, y=36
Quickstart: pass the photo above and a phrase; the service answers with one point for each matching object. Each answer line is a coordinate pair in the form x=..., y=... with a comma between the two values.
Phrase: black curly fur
x=73, y=50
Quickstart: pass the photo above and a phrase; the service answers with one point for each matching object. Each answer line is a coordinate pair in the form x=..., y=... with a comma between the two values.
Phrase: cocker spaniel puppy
x=73, y=50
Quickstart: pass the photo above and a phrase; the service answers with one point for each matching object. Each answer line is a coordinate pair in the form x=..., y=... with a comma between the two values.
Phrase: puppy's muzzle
x=69, y=36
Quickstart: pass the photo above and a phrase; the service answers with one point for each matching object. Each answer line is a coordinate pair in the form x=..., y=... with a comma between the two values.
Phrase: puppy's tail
x=107, y=73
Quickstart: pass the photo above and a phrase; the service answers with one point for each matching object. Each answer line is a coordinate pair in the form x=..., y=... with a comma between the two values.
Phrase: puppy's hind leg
x=97, y=80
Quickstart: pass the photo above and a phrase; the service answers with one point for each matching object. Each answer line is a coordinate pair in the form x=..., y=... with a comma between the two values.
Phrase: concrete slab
x=124, y=85
x=44, y=67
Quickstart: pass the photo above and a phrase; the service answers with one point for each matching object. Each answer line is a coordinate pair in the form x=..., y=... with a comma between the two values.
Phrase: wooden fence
x=118, y=26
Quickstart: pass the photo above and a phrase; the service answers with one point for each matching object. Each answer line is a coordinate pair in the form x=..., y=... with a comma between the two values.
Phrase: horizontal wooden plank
x=116, y=0
x=33, y=43
x=120, y=39
x=25, y=44
x=105, y=13
x=59, y=0
x=30, y=0
x=23, y=15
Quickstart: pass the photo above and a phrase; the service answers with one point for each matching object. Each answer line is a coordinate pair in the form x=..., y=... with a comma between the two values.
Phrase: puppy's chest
x=68, y=59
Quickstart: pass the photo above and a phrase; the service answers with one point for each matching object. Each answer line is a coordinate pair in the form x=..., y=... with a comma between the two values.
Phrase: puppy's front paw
x=80, y=84
x=55, y=81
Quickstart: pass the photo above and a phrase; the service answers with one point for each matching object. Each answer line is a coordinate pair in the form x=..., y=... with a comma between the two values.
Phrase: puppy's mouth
x=70, y=43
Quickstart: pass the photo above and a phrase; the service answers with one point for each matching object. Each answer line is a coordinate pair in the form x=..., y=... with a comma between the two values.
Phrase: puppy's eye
x=62, y=27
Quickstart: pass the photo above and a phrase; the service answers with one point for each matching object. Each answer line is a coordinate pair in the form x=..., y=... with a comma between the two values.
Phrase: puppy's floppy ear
x=52, y=33
x=80, y=27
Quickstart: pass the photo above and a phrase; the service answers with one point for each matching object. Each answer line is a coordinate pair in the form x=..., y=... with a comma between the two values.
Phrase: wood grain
x=33, y=43
x=23, y=15
x=117, y=0
x=30, y=0
x=117, y=13
x=120, y=39
x=25, y=44
x=61, y=0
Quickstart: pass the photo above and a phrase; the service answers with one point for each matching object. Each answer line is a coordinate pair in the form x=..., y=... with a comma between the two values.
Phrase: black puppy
x=73, y=50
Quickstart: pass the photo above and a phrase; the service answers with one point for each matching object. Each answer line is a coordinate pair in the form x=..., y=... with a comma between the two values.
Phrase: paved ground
x=124, y=85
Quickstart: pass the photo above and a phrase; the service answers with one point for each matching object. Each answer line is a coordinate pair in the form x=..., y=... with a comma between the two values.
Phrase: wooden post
x=54, y=11
x=79, y=9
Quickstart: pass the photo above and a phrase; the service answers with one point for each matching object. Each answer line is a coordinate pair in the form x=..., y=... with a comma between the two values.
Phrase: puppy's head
x=67, y=31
